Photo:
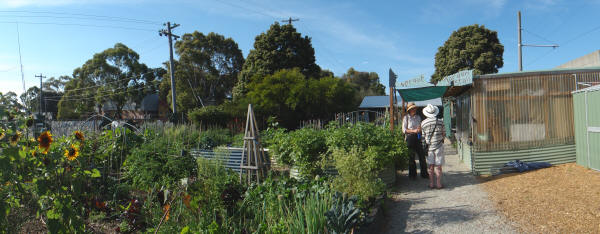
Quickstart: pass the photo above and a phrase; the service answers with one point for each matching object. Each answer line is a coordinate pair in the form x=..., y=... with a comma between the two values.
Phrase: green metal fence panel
x=586, y=114
x=593, y=140
x=486, y=163
x=580, y=128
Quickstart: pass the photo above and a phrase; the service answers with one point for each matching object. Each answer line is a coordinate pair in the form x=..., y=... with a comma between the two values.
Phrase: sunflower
x=14, y=139
x=2, y=135
x=72, y=153
x=45, y=139
x=79, y=136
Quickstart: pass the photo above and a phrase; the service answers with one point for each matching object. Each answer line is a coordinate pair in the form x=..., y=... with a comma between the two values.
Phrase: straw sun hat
x=410, y=106
x=431, y=111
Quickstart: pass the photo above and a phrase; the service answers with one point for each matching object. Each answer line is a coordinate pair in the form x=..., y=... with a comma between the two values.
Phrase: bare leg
x=431, y=175
x=438, y=176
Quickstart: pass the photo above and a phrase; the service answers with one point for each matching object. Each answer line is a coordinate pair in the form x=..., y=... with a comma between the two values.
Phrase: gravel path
x=462, y=207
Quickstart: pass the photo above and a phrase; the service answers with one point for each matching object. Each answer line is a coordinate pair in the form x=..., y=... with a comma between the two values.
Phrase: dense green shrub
x=196, y=206
x=214, y=137
x=356, y=175
x=303, y=149
x=209, y=115
x=161, y=160
x=385, y=147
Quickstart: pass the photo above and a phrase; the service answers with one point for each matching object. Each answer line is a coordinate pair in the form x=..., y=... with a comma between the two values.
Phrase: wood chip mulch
x=560, y=199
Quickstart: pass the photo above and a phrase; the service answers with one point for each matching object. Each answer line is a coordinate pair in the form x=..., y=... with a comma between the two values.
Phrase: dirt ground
x=560, y=199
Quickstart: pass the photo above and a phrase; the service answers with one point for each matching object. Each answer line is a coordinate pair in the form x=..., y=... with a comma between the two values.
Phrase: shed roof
x=375, y=102
x=588, y=89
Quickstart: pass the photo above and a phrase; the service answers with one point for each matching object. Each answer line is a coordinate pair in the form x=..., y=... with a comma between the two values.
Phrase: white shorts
x=436, y=157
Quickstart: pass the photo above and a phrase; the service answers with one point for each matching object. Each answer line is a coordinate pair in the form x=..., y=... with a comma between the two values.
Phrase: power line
x=538, y=36
x=68, y=97
x=108, y=18
x=81, y=25
x=245, y=8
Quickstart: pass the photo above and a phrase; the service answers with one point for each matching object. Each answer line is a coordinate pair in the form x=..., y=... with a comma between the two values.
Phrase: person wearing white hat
x=411, y=127
x=433, y=134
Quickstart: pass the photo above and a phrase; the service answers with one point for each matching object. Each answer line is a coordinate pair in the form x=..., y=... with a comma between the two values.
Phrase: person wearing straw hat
x=411, y=127
x=433, y=135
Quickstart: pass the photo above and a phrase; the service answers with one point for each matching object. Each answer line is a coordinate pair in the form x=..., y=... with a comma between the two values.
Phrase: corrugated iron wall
x=517, y=112
x=485, y=163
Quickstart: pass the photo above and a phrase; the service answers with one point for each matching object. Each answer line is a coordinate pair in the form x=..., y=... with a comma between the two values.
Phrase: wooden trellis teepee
x=253, y=165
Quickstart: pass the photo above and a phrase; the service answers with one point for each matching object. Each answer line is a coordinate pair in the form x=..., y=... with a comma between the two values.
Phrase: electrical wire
x=538, y=36
x=81, y=25
x=94, y=97
x=99, y=17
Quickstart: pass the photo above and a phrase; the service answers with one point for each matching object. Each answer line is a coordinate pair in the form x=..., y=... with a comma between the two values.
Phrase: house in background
x=588, y=60
x=151, y=107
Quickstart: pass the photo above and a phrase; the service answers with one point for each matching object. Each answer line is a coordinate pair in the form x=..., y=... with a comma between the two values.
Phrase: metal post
x=391, y=109
x=520, y=44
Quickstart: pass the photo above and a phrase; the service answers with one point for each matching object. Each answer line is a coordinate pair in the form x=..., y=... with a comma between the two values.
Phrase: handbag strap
x=434, y=128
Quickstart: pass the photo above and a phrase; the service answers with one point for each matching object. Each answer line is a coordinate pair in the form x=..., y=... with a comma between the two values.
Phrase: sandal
x=431, y=186
x=441, y=187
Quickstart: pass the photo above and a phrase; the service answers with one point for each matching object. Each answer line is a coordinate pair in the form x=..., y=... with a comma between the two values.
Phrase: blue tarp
x=527, y=166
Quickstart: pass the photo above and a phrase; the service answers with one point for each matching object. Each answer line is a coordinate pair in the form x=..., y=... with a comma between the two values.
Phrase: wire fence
x=365, y=116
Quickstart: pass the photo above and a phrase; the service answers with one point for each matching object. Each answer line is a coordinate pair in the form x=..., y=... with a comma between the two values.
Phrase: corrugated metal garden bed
x=560, y=199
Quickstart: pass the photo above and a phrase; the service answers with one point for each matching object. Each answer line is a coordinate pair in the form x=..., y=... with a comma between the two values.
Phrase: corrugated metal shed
x=586, y=110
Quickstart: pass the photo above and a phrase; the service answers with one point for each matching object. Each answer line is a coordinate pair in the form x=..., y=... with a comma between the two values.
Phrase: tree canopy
x=114, y=75
x=9, y=102
x=206, y=71
x=290, y=97
x=366, y=83
x=470, y=47
x=280, y=47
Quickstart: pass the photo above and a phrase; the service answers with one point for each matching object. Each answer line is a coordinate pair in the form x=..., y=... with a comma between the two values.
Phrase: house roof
x=112, y=106
x=538, y=72
x=150, y=103
x=384, y=101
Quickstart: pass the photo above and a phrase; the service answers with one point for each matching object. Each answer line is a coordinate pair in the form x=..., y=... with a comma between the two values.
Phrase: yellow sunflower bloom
x=72, y=153
x=79, y=136
x=45, y=139
x=14, y=139
x=2, y=135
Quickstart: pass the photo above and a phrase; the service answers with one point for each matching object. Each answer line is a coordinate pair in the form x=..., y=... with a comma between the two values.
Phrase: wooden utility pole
x=392, y=85
x=520, y=43
x=290, y=20
x=168, y=33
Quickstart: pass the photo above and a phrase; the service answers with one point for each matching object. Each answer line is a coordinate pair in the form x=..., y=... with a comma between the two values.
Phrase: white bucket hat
x=431, y=111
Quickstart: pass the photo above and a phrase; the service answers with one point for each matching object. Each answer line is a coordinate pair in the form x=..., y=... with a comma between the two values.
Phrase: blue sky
x=58, y=36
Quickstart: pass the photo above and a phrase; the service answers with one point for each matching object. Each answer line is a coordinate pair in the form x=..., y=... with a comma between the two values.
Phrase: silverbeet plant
x=343, y=215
